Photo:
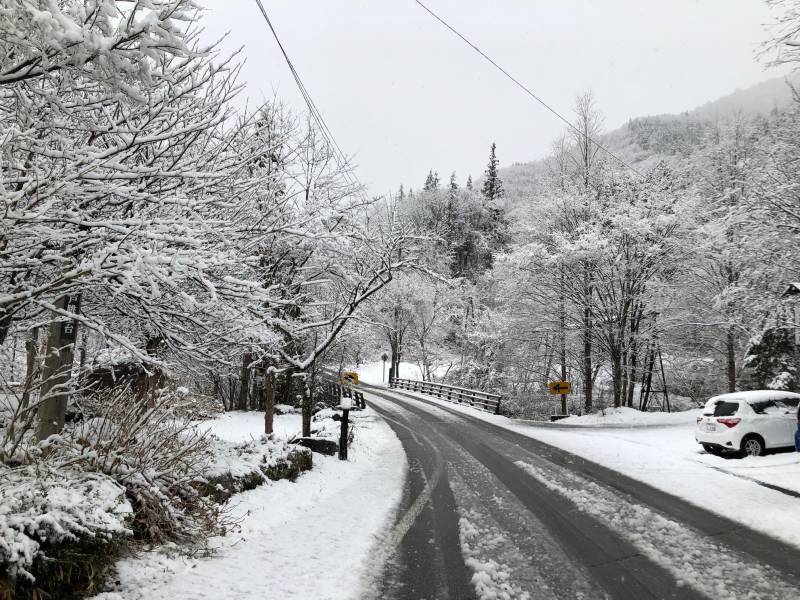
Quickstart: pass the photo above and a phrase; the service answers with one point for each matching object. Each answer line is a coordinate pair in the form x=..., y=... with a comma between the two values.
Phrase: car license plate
x=710, y=427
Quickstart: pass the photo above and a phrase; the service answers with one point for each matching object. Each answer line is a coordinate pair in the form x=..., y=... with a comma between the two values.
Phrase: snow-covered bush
x=237, y=467
x=160, y=459
x=41, y=506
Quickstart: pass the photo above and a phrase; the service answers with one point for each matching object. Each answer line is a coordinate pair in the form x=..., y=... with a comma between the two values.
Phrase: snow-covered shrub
x=43, y=507
x=159, y=458
x=237, y=467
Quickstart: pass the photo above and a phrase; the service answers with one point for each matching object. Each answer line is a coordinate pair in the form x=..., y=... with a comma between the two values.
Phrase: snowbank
x=309, y=539
x=630, y=416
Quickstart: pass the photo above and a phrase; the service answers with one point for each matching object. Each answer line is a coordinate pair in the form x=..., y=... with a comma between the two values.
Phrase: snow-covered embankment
x=308, y=539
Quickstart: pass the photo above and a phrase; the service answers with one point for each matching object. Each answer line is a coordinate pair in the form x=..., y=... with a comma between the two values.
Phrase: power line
x=341, y=158
x=526, y=89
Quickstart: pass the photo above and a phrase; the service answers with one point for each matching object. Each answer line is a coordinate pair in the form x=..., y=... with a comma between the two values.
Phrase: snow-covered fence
x=482, y=400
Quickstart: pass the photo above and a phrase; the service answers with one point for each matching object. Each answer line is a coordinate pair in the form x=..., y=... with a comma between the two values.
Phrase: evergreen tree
x=469, y=183
x=431, y=181
x=453, y=186
x=401, y=194
x=770, y=361
x=492, y=185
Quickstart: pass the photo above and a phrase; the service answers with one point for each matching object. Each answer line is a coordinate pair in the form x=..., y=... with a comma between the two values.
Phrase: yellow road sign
x=350, y=378
x=559, y=387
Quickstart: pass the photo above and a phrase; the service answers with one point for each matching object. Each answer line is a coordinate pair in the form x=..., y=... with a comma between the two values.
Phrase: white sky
x=403, y=95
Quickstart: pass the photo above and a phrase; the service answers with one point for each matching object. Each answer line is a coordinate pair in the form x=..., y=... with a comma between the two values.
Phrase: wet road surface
x=490, y=513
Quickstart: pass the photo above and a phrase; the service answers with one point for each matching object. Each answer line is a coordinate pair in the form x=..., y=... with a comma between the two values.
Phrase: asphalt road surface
x=491, y=514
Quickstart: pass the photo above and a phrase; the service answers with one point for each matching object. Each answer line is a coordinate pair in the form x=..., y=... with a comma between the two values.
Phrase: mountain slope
x=645, y=140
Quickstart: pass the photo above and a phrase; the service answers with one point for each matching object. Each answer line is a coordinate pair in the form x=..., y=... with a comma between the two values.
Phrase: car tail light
x=729, y=422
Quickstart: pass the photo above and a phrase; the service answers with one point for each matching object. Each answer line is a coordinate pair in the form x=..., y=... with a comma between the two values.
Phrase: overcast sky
x=403, y=95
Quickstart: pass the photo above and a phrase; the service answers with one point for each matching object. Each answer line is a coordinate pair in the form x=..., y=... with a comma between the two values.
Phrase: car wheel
x=753, y=445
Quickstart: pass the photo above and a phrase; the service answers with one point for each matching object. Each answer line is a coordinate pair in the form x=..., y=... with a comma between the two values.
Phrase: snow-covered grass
x=308, y=539
x=660, y=450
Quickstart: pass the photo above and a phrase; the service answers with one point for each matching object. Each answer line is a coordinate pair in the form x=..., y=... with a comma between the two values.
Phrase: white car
x=748, y=422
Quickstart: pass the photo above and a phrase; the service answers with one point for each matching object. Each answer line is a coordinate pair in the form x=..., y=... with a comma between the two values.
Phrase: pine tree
x=453, y=186
x=469, y=183
x=492, y=186
x=401, y=194
x=431, y=181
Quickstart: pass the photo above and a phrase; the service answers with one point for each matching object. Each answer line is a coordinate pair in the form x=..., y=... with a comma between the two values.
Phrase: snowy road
x=493, y=514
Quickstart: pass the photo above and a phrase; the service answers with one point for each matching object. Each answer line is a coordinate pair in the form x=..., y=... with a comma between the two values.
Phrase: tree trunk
x=617, y=376
x=31, y=356
x=269, y=400
x=587, y=359
x=588, y=375
x=54, y=394
x=562, y=327
x=631, y=377
x=244, y=390
x=730, y=346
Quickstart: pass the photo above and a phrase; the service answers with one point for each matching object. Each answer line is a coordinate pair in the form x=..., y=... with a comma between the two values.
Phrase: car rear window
x=792, y=402
x=725, y=409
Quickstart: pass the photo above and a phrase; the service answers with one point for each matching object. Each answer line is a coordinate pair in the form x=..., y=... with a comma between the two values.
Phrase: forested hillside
x=673, y=244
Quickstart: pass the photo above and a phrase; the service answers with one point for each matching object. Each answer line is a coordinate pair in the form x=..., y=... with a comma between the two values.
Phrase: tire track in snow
x=402, y=527
x=695, y=560
x=421, y=554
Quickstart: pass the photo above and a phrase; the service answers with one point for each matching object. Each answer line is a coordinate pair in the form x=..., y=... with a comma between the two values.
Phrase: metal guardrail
x=481, y=400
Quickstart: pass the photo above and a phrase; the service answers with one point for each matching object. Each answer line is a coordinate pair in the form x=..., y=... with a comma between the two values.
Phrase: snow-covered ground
x=630, y=417
x=308, y=539
x=241, y=426
x=375, y=374
x=660, y=450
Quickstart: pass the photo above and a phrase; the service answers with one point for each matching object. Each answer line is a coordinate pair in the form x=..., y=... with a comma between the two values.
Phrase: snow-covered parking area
x=309, y=539
x=660, y=450
x=664, y=438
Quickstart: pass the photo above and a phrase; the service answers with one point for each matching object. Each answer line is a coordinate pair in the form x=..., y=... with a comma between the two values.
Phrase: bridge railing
x=331, y=392
x=481, y=400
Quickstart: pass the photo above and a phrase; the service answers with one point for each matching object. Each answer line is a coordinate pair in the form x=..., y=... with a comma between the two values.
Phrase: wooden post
x=269, y=400
x=54, y=392
x=343, y=434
